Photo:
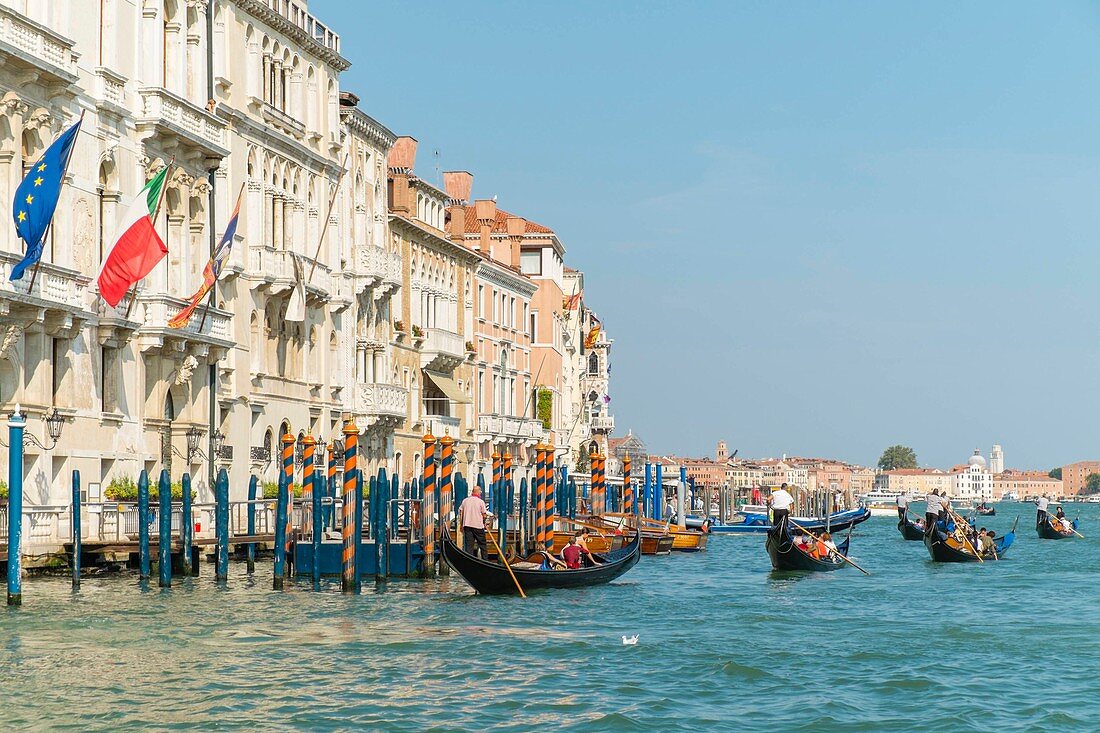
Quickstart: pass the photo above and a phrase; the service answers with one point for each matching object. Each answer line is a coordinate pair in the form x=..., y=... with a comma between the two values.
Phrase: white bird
x=628, y=640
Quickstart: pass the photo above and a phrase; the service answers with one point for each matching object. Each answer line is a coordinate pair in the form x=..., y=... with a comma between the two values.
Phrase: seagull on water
x=629, y=640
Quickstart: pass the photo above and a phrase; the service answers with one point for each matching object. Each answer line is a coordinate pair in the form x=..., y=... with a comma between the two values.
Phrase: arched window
x=107, y=195
x=593, y=363
x=169, y=407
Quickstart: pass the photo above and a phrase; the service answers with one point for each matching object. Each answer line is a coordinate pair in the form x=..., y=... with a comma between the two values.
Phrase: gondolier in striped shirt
x=780, y=501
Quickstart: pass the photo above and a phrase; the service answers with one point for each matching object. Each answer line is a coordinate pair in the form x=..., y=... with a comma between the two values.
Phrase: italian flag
x=139, y=248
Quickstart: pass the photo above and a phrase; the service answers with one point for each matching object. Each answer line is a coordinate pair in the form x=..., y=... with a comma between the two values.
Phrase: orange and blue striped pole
x=546, y=531
x=446, y=487
x=536, y=498
x=490, y=496
x=330, y=485
x=594, y=505
x=350, y=533
x=628, y=489
x=311, y=501
x=428, y=511
x=502, y=499
x=551, y=495
x=603, y=480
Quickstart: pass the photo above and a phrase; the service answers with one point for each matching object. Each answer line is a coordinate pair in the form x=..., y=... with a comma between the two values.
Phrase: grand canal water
x=724, y=645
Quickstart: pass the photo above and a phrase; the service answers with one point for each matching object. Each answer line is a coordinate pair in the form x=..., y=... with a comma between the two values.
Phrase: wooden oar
x=503, y=559
x=842, y=557
x=966, y=538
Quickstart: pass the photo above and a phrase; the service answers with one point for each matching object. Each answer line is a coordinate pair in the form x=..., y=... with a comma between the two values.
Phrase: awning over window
x=448, y=387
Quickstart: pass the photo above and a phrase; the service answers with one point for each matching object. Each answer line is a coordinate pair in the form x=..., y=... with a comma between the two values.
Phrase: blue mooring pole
x=221, y=525
x=253, y=483
x=280, y=533
x=16, y=426
x=143, y=526
x=659, y=495
x=164, y=528
x=77, y=533
x=358, y=529
x=187, y=528
x=318, y=523
x=382, y=540
x=647, y=491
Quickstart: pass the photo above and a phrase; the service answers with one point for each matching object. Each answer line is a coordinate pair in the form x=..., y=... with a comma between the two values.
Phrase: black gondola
x=910, y=531
x=490, y=578
x=941, y=551
x=786, y=555
x=985, y=510
x=1047, y=531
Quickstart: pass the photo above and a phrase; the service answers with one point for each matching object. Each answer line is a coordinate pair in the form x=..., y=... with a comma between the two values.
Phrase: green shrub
x=271, y=490
x=545, y=407
x=3, y=491
x=125, y=489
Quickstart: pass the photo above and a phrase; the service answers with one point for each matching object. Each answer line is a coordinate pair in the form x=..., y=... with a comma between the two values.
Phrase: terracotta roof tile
x=500, y=226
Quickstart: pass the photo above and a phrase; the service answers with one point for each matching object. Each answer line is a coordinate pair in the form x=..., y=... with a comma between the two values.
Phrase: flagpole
x=328, y=215
x=160, y=200
x=49, y=227
x=210, y=295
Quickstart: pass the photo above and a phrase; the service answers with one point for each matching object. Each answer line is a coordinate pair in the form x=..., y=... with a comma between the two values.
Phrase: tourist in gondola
x=571, y=553
x=473, y=513
x=1041, y=510
x=828, y=546
x=903, y=506
x=780, y=502
x=985, y=540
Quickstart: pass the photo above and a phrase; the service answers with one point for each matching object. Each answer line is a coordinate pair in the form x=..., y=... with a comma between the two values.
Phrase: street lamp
x=194, y=435
x=55, y=423
x=319, y=453
x=218, y=439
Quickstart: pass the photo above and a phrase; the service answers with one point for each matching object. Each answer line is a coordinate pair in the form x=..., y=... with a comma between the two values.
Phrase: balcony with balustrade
x=166, y=113
x=29, y=45
x=56, y=300
x=602, y=424
x=507, y=429
x=442, y=350
x=384, y=404
x=379, y=269
x=209, y=333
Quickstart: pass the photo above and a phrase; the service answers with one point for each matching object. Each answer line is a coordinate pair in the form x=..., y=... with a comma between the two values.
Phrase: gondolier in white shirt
x=780, y=502
x=903, y=506
x=931, y=511
x=1041, y=510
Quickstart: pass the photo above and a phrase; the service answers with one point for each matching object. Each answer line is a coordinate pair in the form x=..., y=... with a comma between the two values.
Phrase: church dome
x=976, y=459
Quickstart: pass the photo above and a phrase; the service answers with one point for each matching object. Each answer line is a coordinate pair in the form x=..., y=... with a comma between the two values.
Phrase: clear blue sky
x=811, y=228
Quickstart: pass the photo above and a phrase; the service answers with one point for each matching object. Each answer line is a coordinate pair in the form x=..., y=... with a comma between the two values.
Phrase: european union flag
x=36, y=197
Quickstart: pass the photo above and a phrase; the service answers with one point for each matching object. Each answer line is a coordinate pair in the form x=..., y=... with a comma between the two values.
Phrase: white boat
x=1010, y=496
x=881, y=503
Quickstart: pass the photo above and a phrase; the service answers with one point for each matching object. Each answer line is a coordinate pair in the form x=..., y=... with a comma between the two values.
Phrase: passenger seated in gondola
x=581, y=538
x=985, y=541
x=828, y=547
x=571, y=553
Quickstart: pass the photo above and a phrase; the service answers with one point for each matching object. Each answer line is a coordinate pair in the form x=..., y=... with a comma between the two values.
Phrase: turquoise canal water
x=724, y=645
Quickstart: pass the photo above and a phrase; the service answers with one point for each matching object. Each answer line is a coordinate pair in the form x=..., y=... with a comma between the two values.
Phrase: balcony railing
x=297, y=14
x=382, y=400
x=276, y=265
x=159, y=309
x=55, y=284
x=442, y=349
x=383, y=266
x=512, y=428
x=181, y=118
x=440, y=425
x=603, y=423
x=51, y=51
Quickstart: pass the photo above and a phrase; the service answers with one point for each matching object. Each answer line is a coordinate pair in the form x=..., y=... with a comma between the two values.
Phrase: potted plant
x=470, y=347
x=418, y=332
x=3, y=491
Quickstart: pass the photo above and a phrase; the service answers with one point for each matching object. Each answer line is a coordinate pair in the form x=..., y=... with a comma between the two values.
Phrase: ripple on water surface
x=725, y=644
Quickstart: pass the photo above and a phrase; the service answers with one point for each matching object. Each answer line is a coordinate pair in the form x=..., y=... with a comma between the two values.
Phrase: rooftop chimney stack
x=517, y=227
x=457, y=184
x=486, y=212
x=403, y=154
x=401, y=160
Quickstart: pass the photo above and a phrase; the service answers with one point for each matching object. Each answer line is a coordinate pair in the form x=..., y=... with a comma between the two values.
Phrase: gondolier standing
x=1041, y=511
x=932, y=509
x=473, y=513
x=903, y=506
x=780, y=501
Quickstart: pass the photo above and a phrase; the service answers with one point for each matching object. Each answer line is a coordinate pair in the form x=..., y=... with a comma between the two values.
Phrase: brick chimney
x=517, y=227
x=457, y=184
x=401, y=161
x=486, y=212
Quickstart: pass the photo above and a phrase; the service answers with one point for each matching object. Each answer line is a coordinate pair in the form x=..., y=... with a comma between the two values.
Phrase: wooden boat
x=1047, y=530
x=656, y=544
x=596, y=542
x=489, y=578
x=683, y=540
x=910, y=531
x=786, y=555
x=758, y=523
x=985, y=510
x=945, y=548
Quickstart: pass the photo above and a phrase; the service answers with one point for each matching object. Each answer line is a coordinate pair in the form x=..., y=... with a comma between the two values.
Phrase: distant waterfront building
x=1074, y=476
x=628, y=445
x=996, y=460
x=1026, y=483
x=974, y=482
x=913, y=481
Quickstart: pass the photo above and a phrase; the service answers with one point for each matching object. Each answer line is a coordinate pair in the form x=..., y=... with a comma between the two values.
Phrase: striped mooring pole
x=595, y=501
x=628, y=488
x=502, y=501
x=309, y=447
x=446, y=488
x=428, y=511
x=352, y=500
x=545, y=489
